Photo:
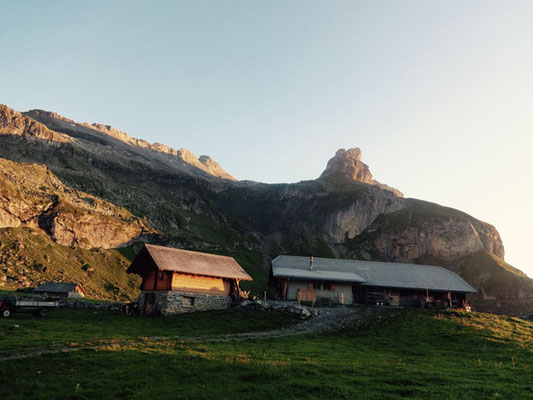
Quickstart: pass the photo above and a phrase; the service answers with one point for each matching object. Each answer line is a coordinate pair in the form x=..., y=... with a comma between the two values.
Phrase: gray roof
x=305, y=273
x=371, y=273
x=56, y=287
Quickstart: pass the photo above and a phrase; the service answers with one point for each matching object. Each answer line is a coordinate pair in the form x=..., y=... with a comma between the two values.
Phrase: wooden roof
x=189, y=262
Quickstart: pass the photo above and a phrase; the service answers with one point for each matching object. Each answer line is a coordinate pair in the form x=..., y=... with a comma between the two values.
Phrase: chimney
x=310, y=263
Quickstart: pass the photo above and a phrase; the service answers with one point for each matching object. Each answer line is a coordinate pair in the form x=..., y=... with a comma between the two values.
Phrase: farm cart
x=11, y=304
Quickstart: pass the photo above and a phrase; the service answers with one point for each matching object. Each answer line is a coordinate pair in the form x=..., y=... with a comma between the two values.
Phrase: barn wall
x=338, y=287
x=162, y=282
x=200, y=284
x=148, y=280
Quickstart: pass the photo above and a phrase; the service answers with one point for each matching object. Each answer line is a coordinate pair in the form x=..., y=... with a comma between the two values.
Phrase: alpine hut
x=354, y=281
x=60, y=289
x=176, y=281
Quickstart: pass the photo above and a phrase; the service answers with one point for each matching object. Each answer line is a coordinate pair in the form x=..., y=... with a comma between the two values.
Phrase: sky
x=438, y=95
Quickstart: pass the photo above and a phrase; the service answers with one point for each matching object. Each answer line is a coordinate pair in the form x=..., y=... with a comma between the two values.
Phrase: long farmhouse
x=177, y=281
x=353, y=281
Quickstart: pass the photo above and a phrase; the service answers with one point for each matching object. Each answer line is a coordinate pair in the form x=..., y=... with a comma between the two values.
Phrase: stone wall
x=84, y=305
x=173, y=302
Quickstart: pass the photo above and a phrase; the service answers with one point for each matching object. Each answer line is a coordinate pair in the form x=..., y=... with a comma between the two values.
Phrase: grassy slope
x=492, y=275
x=76, y=326
x=102, y=273
x=412, y=354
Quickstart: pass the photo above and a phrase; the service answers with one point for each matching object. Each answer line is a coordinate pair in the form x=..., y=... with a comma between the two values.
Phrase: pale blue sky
x=438, y=95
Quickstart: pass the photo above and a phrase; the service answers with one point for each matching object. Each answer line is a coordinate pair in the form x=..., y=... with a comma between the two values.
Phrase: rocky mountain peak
x=348, y=163
x=15, y=123
x=204, y=163
x=214, y=168
x=35, y=113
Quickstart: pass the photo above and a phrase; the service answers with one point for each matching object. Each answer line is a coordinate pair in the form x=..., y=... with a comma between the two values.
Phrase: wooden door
x=149, y=303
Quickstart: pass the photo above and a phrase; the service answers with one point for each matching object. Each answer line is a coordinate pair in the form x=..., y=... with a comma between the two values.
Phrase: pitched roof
x=384, y=274
x=193, y=262
x=315, y=274
x=56, y=287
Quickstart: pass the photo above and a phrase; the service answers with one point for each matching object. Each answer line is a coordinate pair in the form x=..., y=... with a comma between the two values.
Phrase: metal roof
x=191, y=262
x=318, y=275
x=384, y=274
x=56, y=287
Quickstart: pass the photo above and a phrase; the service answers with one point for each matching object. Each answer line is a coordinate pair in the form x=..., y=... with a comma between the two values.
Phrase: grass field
x=22, y=330
x=413, y=354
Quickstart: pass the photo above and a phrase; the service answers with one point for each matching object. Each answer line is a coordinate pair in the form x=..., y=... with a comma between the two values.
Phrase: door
x=149, y=303
x=358, y=293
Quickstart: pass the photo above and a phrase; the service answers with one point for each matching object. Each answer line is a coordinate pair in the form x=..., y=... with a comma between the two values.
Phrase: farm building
x=60, y=289
x=176, y=281
x=353, y=281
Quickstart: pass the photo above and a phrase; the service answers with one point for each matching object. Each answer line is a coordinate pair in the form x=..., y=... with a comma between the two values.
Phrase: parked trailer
x=11, y=304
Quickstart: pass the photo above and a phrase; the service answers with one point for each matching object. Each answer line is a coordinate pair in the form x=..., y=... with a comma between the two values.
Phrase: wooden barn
x=176, y=281
x=368, y=282
x=60, y=289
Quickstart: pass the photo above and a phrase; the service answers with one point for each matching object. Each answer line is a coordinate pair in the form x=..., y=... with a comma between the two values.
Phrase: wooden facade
x=202, y=284
x=355, y=293
x=167, y=280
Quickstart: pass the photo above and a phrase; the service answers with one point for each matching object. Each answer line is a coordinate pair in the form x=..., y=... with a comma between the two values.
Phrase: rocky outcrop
x=14, y=123
x=31, y=196
x=120, y=135
x=214, y=168
x=349, y=221
x=348, y=163
x=36, y=114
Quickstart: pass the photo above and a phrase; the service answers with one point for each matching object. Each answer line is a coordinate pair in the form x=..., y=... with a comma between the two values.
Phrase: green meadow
x=395, y=355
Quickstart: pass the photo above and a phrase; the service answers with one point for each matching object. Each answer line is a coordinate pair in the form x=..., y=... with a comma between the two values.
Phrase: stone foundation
x=172, y=302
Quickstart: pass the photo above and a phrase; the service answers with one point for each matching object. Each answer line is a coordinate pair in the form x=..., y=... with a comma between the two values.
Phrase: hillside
x=173, y=198
x=31, y=196
x=29, y=257
x=395, y=355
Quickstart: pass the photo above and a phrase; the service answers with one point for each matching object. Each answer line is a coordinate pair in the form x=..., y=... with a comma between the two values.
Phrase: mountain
x=173, y=198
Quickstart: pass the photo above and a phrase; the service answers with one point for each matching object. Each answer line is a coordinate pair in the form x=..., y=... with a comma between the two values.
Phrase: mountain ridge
x=209, y=165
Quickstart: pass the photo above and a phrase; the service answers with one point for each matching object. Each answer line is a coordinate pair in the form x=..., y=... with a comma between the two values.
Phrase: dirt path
x=327, y=319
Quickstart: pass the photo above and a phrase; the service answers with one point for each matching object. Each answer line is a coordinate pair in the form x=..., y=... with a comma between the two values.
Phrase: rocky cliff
x=32, y=196
x=127, y=186
x=427, y=229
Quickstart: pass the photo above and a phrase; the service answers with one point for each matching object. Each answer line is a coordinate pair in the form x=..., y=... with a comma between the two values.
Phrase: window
x=326, y=286
x=161, y=275
x=316, y=285
x=187, y=301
